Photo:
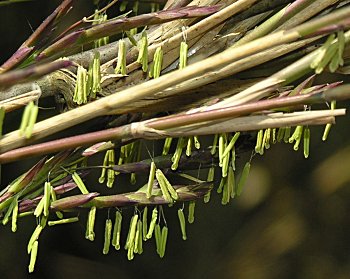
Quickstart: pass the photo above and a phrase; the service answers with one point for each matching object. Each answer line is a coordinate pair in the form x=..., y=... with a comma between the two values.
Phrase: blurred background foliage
x=290, y=222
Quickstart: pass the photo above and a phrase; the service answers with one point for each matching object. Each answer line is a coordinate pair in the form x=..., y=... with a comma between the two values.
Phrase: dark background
x=291, y=221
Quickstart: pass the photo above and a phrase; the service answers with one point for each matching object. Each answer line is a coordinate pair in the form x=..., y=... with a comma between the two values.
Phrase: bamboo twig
x=194, y=31
x=163, y=127
x=185, y=193
x=29, y=45
x=31, y=73
x=105, y=105
x=16, y=102
x=86, y=35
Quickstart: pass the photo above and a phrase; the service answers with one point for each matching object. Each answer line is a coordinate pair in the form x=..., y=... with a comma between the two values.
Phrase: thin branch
x=108, y=104
x=164, y=127
x=192, y=32
x=28, y=46
x=305, y=13
x=185, y=193
x=20, y=101
x=112, y=27
x=31, y=73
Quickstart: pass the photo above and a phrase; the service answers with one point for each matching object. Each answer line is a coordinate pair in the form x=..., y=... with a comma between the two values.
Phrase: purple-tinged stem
x=27, y=47
x=72, y=202
x=24, y=181
x=31, y=73
x=89, y=34
x=178, y=120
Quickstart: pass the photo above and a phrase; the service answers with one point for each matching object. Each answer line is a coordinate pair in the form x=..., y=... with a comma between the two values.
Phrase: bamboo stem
x=105, y=105
x=28, y=46
x=185, y=193
x=86, y=35
x=194, y=31
x=163, y=127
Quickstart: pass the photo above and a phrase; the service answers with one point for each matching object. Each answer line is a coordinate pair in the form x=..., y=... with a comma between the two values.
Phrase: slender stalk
x=185, y=193
x=283, y=77
x=194, y=31
x=107, y=104
x=19, y=101
x=158, y=128
x=312, y=9
x=86, y=35
x=233, y=68
x=29, y=45
x=9, y=2
x=31, y=73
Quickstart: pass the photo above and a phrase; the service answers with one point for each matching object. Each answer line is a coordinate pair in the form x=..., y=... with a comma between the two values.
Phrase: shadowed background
x=290, y=222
